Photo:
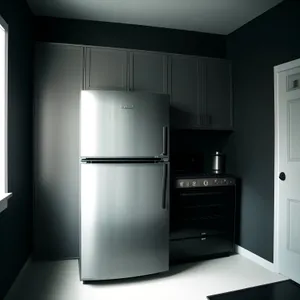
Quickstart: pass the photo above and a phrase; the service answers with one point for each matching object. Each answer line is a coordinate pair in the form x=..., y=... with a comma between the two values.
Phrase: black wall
x=201, y=143
x=129, y=36
x=16, y=220
x=267, y=41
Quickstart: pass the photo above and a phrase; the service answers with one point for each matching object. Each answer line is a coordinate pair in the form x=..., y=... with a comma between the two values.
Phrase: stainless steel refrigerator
x=124, y=148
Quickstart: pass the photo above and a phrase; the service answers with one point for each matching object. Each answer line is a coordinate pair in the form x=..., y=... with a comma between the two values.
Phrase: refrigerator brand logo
x=127, y=107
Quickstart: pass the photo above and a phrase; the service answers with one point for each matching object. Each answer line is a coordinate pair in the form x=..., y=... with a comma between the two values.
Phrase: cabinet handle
x=202, y=120
x=209, y=120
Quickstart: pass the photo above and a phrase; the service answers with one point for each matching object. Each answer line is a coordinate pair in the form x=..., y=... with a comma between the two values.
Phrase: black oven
x=202, y=218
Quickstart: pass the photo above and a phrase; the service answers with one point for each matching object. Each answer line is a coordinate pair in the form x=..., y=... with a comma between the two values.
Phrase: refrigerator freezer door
x=124, y=220
x=124, y=124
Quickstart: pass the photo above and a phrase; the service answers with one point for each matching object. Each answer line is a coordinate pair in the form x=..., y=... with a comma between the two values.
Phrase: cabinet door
x=58, y=81
x=218, y=94
x=148, y=72
x=106, y=69
x=185, y=103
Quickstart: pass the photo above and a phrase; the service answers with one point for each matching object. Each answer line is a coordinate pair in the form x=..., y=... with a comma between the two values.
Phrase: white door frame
x=278, y=69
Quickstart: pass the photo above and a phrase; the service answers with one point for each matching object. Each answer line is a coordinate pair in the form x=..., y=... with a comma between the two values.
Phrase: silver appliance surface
x=124, y=124
x=218, y=163
x=124, y=185
x=125, y=220
x=204, y=181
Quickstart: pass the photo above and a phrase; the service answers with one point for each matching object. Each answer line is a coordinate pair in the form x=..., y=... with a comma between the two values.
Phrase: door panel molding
x=293, y=225
x=292, y=129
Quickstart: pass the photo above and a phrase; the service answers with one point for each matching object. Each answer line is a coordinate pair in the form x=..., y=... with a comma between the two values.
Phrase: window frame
x=3, y=198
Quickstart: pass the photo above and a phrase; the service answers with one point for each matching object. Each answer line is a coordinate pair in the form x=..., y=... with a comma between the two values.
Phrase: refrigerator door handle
x=165, y=141
x=165, y=187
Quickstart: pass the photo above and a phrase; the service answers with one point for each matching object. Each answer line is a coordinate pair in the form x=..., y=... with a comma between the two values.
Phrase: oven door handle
x=201, y=194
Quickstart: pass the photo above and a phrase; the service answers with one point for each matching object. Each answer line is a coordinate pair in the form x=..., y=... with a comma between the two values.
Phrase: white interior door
x=287, y=163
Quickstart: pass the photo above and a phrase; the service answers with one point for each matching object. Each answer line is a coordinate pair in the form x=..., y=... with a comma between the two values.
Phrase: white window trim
x=4, y=197
x=3, y=201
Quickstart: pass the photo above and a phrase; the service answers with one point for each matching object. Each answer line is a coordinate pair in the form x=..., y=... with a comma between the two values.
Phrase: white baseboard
x=255, y=258
x=25, y=266
x=21, y=273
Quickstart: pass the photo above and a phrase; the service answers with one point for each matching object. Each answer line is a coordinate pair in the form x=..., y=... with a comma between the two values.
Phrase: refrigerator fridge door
x=124, y=220
x=124, y=124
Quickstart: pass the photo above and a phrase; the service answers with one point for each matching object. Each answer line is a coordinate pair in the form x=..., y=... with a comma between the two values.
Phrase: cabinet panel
x=148, y=72
x=58, y=81
x=106, y=69
x=218, y=97
x=185, y=104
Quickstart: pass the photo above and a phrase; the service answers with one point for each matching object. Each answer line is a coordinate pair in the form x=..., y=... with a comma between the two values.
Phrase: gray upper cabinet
x=184, y=86
x=106, y=69
x=58, y=81
x=148, y=72
x=201, y=93
x=200, y=88
x=218, y=94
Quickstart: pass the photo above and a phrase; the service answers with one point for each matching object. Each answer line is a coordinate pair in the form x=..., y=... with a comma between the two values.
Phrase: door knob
x=282, y=176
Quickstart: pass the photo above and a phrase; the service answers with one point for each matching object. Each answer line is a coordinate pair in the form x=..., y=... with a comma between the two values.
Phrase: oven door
x=202, y=223
x=205, y=211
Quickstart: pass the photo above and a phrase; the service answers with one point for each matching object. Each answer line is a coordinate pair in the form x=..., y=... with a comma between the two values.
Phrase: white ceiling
x=213, y=16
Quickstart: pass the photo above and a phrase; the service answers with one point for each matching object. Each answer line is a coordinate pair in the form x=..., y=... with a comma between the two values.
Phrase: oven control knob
x=194, y=183
x=181, y=183
x=205, y=182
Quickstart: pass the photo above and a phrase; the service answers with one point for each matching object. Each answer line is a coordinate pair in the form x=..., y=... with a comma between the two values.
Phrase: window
x=3, y=106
